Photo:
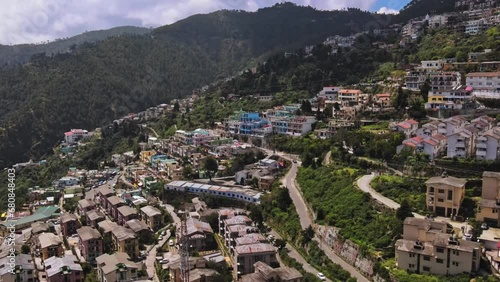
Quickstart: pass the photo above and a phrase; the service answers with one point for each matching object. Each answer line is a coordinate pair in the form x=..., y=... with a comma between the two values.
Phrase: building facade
x=445, y=195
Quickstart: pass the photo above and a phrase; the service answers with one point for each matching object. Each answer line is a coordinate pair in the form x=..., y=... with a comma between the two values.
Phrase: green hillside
x=95, y=83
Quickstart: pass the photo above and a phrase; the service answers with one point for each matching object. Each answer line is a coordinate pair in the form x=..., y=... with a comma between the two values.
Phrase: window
x=439, y=260
x=440, y=250
x=440, y=190
x=426, y=268
x=454, y=263
x=412, y=255
x=457, y=253
x=411, y=266
x=494, y=211
x=450, y=195
x=427, y=258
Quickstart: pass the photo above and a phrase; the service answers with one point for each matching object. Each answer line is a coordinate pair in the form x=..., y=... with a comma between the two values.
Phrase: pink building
x=90, y=243
x=64, y=269
x=125, y=213
x=112, y=205
x=69, y=224
x=74, y=135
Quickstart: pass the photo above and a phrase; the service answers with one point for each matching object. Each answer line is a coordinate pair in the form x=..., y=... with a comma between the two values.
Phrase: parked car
x=321, y=276
x=163, y=233
x=171, y=242
x=163, y=261
x=160, y=238
x=484, y=226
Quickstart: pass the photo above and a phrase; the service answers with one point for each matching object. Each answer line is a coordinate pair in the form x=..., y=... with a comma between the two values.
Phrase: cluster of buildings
x=237, y=193
x=280, y=120
x=254, y=258
x=454, y=137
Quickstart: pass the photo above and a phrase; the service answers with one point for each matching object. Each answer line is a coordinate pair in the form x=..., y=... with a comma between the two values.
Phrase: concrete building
x=90, y=243
x=462, y=144
x=488, y=145
x=246, y=256
x=152, y=217
x=474, y=27
x=415, y=80
x=350, y=97
x=116, y=267
x=426, y=248
x=63, y=269
x=445, y=194
x=484, y=84
x=75, y=135
x=125, y=213
x=102, y=193
x=112, y=205
x=24, y=269
x=50, y=245
x=93, y=217
x=85, y=205
x=200, y=234
x=243, y=194
x=42, y=214
x=408, y=127
x=489, y=206
x=69, y=224
x=265, y=273
x=125, y=241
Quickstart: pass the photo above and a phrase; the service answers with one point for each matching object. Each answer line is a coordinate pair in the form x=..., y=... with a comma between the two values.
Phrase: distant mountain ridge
x=21, y=53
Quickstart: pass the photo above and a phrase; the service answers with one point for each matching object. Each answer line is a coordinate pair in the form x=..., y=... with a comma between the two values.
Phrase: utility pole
x=184, y=249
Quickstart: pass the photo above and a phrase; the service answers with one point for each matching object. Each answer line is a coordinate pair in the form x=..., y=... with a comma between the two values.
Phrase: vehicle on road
x=484, y=226
x=163, y=233
x=321, y=276
x=160, y=238
x=164, y=261
x=171, y=242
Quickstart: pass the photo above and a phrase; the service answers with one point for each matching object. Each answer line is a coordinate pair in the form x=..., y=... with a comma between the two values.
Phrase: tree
x=211, y=166
x=25, y=249
x=476, y=229
x=92, y=276
x=176, y=106
x=187, y=172
x=404, y=210
x=307, y=235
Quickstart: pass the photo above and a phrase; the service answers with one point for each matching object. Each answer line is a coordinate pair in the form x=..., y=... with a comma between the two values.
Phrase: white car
x=171, y=242
x=321, y=276
x=160, y=238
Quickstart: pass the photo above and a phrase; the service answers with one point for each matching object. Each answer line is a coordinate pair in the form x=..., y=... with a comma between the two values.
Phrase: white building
x=484, y=84
x=433, y=65
x=329, y=93
x=242, y=194
x=475, y=26
x=488, y=145
x=463, y=143
x=74, y=135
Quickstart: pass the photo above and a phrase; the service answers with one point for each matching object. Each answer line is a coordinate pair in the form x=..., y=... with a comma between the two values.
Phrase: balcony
x=482, y=145
x=480, y=153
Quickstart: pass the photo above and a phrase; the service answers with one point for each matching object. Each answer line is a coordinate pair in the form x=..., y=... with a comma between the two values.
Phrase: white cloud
x=35, y=21
x=385, y=10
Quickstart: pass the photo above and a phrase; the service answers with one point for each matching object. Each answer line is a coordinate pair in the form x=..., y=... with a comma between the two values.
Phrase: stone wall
x=346, y=249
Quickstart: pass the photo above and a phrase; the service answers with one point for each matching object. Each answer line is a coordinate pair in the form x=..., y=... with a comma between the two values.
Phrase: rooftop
x=55, y=265
x=38, y=227
x=150, y=211
x=107, y=263
x=249, y=239
x=255, y=249
x=114, y=200
x=126, y=211
x=122, y=233
x=88, y=233
x=107, y=225
x=67, y=217
x=237, y=220
x=195, y=226
x=491, y=174
x=448, y=180
x=48, y=240
x=105, y=191
x=94, y=215
x=136, y=225
x=23, y=260
x=86, y=203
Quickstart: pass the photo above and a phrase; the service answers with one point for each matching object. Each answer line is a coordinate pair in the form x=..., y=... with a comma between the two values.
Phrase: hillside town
x=195, y=204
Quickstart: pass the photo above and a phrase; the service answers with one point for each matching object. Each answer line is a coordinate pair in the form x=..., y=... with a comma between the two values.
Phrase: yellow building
x=435, y=252
x=125, y=241
x=490, y=199
x=50, y=245
x=445, y=194
x=145, y=156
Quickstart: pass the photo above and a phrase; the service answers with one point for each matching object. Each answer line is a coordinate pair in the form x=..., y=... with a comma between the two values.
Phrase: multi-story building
x=125, y=241
x=225, y=214
x=383, y=100
x=484, y=84
x=265, y=273
x=112, y=205
x=90, y=243
x=74, y=135
x=93, y=217
x=415, y=80
x=427, y=248
x=102, y=194
x=445, y=194
x=462, y=144
x=50, y=245
x=300, y=125
x=63, y=269
x=488, y=145
x=125, y=213
x=116, y=267
x=69, y=224
x=447, y=92
x=23, y=270
x=246, y=256
x=408, y=127
x=329, y=93
x=350, y=97
x=242, y=194
x=152, y=217
x=489, y=206
x=85, y=205
x=200, y=234
x=474, y=27
x=431, y=66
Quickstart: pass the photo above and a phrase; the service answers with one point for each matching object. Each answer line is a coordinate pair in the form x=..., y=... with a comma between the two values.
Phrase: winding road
x=306, y=218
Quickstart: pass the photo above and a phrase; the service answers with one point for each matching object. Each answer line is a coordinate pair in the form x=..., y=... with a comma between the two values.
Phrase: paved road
x=328, y=157
x=150, y=259
x=306, y=217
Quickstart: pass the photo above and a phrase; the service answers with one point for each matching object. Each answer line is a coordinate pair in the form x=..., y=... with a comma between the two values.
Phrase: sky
x=39, y=21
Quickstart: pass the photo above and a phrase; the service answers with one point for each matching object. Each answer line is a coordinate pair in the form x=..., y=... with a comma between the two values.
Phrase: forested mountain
x=420, y=8
x=97, y=82
x=22, y=53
